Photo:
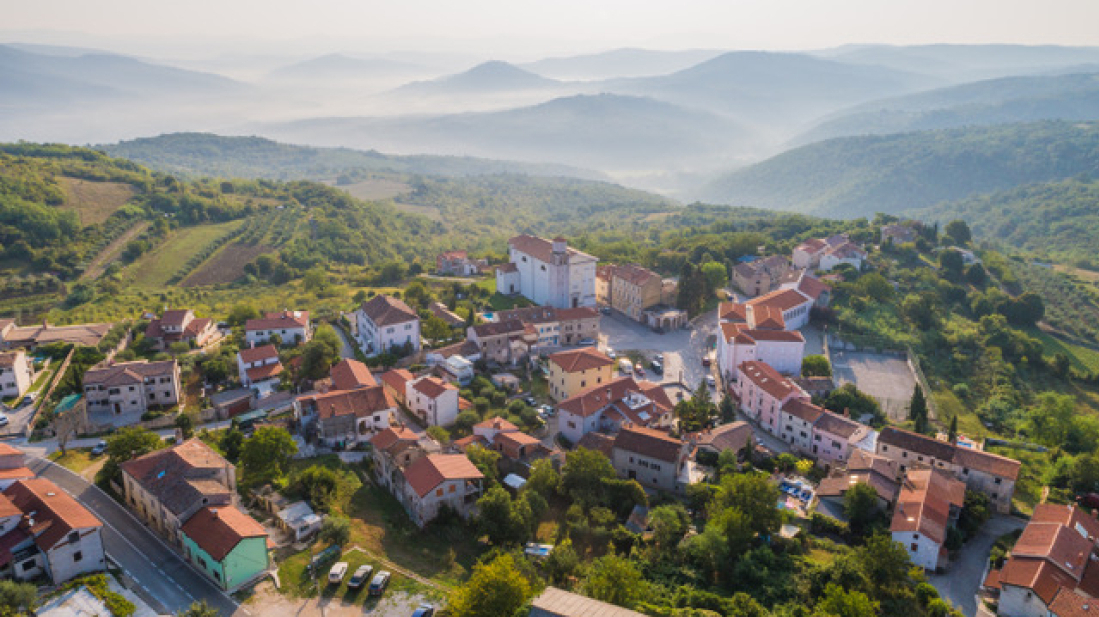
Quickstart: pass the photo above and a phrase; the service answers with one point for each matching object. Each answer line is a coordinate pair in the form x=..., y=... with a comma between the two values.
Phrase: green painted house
x=227, y=545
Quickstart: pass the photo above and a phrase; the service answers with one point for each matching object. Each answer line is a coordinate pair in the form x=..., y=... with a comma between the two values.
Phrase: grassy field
x=75, y=460
x=155, y=268
x=93, y=201
x=375, y=189
x=430, y=212
x=1082, y=358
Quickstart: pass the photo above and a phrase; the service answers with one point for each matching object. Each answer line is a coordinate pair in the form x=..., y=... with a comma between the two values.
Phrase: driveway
x=963, y=577
x=347, y=350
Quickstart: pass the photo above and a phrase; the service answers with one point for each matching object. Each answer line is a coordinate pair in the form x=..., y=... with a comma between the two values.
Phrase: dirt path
x=112, y=251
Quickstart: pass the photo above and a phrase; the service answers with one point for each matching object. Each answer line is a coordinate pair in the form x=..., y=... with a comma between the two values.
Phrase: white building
x=387, y=324
x=16, y=373
x=432, y=400
x=259, y=368
x=827, y=253
x=607, y=407
x=291, y=328
x=45, y=531
x=738, y=343
x=548, y=272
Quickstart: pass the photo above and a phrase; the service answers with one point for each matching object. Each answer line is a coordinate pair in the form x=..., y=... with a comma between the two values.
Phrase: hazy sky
x=524, y=27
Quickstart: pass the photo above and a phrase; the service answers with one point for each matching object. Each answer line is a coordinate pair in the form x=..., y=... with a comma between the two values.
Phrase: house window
x=885, y=448
x=915, y=547
x=77, y=556
x=28, y=565
x=74, y=537
x=998, y=480
x=439, y=492
x=452, y=488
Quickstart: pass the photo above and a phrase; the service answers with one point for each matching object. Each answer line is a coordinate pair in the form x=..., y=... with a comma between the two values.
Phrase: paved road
x=159, y=570
x=347, y=350
x=962, y=579
x=682, y=349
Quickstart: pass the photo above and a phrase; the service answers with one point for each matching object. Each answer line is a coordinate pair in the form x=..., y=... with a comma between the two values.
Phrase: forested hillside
x=860, y=176
x=1056, y=220
x=205, y=154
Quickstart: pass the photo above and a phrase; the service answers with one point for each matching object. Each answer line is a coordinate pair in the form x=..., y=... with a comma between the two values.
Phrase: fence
x=917, y=370
x=42, y=398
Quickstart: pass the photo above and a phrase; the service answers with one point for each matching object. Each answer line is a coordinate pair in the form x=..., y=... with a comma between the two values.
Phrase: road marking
x=48, y=464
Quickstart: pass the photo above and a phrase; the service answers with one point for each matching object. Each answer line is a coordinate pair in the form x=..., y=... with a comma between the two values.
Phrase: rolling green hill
x=204, y=154
x=860, y=176
x=1055, y=220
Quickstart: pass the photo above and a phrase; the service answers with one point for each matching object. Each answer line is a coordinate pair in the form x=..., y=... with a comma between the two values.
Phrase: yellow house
x=634, y=289
x=572, y=372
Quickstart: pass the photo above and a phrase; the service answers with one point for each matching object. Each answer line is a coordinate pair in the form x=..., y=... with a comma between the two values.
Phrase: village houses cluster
x=188, y=494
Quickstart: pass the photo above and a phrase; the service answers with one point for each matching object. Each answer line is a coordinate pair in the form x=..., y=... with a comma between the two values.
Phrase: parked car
x=659, y=357
x=361, y=575
x=640, y=370
x=336, y=574
x=586, y=342
x=380, y=582
x=4, y=420
x=710, y=381
x=30, y=398
x=706, y=360
x=658, y=368
x=99, y=448
x=425, y=610
x=606, y=310
x=529, y=400
x=610, y=353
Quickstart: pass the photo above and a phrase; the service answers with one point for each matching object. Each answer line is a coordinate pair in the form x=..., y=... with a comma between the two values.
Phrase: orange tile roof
x=649, y=442
x=731, y=311
x=430, y=471
x=598, y=397
x=360, y=402
x=765, y=377
x=255, y=354
x=396, y=379
x=55, y=512
x=497, y=424
x=219, y=530
x=987, y=462
x=279, y=320
x=636, y=275
x=175, y=476
x=16, y=473
x=7, y=508
x=577, y=360
x=1068, y=603
x=432, y=387
x=267, y=371
x=392, y=435
x=1038, y=575
x=540, y=248
x=803, y=409
x=351, y=374
x=8, y=449
x=782, y=299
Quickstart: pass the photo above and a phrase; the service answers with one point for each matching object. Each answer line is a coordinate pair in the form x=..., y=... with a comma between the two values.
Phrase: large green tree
x=267, y=455
x=615, y=580
x=583, y=476
x=495, y=589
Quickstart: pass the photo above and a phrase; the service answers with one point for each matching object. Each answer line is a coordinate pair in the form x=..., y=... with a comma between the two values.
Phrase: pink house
x=835, y=436
x=762, y=392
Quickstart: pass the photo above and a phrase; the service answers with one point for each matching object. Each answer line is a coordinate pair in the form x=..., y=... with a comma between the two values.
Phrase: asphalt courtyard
x=885, y=377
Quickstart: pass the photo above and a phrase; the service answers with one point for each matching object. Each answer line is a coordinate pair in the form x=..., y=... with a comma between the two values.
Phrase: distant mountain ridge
x=996, y=101
x=205, y=154
x=859, y=176
x=492, y=76
x=619, y=63
x=607, y=131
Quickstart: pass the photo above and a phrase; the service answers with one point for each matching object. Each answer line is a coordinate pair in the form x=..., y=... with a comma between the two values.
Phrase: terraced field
x=226, y=265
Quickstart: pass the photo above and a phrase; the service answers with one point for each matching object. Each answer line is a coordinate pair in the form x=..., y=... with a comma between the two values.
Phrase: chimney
x=560, y=245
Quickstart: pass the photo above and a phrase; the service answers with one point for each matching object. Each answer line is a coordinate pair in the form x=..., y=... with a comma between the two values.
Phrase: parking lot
x=682, y=349
x=885, y=377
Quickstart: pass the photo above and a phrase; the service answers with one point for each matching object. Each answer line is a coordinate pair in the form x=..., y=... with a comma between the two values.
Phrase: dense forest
x=860, y=176
x=1056, y=220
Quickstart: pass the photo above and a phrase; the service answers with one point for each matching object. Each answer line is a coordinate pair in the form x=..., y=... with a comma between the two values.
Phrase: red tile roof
x=125, y=373
x=765, y=377
x=219, y=530
x=430, y=471
x=838, y=425
x=541, y=249
x=255, y=354
x=649, y=442
x=636, y=275
x=596, y=398
x=732, y=311
x=598, y=442
x=387, y=311
x=497, y=424
x=280, y=320
x=360, y=402
x=782, y=299
x=392, y=435
x=803, y=409
x=733, y=436
x=1038, y=575
x=987, y=462
x=577, y=360
x=267, y=371
x=1069, y=603
x=55, y=512
x=7, y=508
x=351, y=374
x=432, y=387
x=178, y=476
x=396, y=379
